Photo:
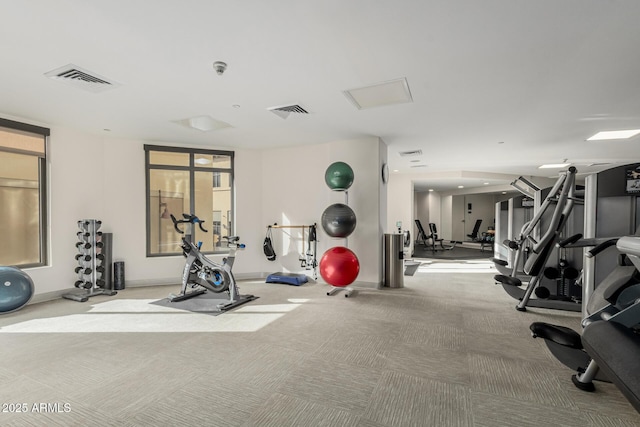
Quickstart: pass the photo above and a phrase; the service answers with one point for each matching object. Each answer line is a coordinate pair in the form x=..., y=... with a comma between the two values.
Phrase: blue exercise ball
x=16, y=289
x=338, y=220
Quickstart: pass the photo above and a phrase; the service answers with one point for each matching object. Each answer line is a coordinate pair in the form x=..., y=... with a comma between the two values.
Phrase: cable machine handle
x=569, y=240
x=601, y=247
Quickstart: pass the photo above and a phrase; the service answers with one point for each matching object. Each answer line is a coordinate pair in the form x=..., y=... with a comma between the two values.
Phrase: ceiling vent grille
x=418, y=166
x=284, y=111
x=81, y=78
x=410, y=153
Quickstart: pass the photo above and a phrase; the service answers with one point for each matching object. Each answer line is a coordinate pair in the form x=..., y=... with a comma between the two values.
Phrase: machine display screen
x=633, y=181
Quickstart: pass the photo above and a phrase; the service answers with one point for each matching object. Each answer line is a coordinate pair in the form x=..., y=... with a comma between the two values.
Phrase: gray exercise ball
x=338, y=220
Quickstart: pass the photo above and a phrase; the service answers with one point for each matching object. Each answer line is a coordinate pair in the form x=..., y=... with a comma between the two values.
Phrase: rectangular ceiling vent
x=418, y=166
x=411, y=153
x=284, y=111
x=82, y=78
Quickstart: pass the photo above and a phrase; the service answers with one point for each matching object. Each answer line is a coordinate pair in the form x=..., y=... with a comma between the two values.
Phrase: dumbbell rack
x=94, y=262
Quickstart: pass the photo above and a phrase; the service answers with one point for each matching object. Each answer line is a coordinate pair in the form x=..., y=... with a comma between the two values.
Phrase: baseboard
x=172, y=281
x=49, y=296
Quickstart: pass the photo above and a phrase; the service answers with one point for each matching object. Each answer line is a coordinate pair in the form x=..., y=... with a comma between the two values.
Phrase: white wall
x=400, y=200
x=382, y=191
x=101, y=177
x=294, y=192
x=435, y=207
x=76, y=188
x=422, y=208
x=104, y=178
x=483, y=207
x=445, y=228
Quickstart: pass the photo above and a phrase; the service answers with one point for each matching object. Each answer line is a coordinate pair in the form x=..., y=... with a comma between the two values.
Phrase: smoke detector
x=220, y=67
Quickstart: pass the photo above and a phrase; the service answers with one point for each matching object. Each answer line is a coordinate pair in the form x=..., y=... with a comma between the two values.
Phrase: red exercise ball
x=339, y=266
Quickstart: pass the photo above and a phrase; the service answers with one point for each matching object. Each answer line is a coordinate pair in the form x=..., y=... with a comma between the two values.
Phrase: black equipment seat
x=558, y=334
x=476, y=228
x=507, y=280
x=616, y=350
x=434, y=232
x=435, y=239
x=422, y=236
x=499, y=261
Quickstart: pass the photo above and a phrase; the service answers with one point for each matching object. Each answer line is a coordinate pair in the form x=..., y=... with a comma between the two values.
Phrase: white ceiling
x=499, y=86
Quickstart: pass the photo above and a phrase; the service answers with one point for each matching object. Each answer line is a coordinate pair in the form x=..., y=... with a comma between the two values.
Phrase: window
x=23, y=186
x=183, y=180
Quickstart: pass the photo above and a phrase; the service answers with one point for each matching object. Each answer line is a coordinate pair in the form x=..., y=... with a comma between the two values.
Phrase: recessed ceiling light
x=431, y=189
x=379, y=94
x=504, y=192
x=486, y=183
x=396, y=170
x=460, y=186
x=554, y=166
x=614, y=134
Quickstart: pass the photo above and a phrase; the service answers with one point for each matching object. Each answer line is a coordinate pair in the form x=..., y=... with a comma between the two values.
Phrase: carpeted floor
x=448, y=349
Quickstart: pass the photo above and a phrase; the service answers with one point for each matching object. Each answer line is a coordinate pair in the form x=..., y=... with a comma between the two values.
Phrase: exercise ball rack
x=339, y=177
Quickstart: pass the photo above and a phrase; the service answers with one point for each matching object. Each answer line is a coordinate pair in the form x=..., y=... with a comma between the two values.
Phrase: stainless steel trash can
x=393, y=261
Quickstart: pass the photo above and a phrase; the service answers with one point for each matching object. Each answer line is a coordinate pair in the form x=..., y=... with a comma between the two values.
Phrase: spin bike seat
x=231, y=239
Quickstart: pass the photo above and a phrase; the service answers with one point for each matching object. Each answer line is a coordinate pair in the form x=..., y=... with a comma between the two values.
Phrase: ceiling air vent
x=410, y=153
x=418, y=166
x=82, y=78
x=283, y=111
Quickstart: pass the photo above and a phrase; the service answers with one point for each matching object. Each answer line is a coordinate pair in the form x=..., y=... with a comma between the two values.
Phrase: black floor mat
x=205, y=303
x=458, y=252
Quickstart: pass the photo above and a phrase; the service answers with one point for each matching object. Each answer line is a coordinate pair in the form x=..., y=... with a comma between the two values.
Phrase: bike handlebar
x=232, y=241
x=188, y=219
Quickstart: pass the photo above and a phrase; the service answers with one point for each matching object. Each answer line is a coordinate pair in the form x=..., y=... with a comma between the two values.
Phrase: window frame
x=43, y=183
x=192, y=169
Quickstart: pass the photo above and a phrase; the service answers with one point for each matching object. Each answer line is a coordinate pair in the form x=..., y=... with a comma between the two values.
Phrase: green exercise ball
x=339, y=176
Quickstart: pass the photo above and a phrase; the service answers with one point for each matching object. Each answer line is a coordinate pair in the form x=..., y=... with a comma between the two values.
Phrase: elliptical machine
x=201, y=274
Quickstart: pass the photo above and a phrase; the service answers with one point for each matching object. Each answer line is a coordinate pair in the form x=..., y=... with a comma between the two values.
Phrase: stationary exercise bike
x=200, y=274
